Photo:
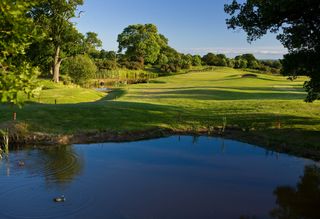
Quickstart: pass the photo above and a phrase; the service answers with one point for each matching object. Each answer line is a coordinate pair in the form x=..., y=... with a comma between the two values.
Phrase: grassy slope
x=52, y=92
x=183, y=102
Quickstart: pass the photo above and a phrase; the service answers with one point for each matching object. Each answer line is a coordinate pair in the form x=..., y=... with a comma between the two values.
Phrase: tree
x=170, y=53
x=174, y=63
x=17, y=32
x=252, y=62
x=142, y=41
x=222, y=60
x=92, y=43
x=162, y=59
x=243, y=63
x=210, y=59
x=196, y=61
x=109, y=55
x=186, y=61
x=231, y=63
x=40, y=53
x=54, y=16
x=298, y=26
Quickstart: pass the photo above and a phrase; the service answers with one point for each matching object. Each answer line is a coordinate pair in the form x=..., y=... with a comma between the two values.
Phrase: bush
x=133, y=65
x=106, y=64
x=162, y=59
x=66, y=79
x=136, y=63
x=80, y=68
x=196, y=60
x=170, y=68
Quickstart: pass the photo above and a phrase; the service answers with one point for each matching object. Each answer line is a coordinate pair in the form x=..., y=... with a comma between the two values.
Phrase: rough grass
x=271, y=107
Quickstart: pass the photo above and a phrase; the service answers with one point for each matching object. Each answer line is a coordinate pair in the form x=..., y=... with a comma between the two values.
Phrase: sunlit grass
x=53, y=93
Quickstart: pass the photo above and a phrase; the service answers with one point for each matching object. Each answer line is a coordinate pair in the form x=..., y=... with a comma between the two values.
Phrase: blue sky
x=192, y=26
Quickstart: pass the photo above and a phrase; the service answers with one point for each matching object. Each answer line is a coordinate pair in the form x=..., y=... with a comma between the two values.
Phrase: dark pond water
x=175, y=177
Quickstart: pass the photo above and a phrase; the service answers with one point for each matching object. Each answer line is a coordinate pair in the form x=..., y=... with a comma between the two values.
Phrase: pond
x=174, y=177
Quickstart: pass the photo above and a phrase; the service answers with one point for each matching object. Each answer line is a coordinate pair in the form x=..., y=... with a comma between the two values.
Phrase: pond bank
x=279, y=140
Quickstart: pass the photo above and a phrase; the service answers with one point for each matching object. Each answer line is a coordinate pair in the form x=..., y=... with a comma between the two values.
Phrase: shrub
x=133, y=65
x=80, y=68
x=66, y=79
x=106, y=64
x=196, y=60
x=170, y=68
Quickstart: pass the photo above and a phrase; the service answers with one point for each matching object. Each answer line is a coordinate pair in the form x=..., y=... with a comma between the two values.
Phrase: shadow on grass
x=157, y=82
x=119, y=115
x=240, y=78
x=217, y=94
x=283, y=90
x=113, y=95
x=129, y=116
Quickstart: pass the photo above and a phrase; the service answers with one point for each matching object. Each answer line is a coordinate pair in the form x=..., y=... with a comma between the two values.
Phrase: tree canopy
x=17, y=32
x=54, y=16
x=142, y=41
x=92, y=42
x=298, y=26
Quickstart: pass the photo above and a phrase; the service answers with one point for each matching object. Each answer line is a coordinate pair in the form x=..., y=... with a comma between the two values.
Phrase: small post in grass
x=55, y=101
x=278, y=123
x=14, y=116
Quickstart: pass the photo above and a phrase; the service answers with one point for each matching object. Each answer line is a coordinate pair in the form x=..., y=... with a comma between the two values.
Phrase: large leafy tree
x=17, y=32
x=55, y=16
x=40, y=52
x=142, y=41
x=298, y=26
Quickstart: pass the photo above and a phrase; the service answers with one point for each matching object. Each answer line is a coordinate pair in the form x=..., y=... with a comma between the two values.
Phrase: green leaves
x=54, y=18
x=17, y=32
x=142, y=41
x=80, y=68
x=19, y=79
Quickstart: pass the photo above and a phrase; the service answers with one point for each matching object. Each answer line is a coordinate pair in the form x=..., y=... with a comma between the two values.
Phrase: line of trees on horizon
x=111, y=60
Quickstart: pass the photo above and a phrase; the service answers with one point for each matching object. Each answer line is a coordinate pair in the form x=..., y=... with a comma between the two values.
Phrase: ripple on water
x=37, y=164
x=47, y=167
x=34, y=203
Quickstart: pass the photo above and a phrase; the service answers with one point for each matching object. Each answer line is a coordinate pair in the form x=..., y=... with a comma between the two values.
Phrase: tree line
x=142, y=45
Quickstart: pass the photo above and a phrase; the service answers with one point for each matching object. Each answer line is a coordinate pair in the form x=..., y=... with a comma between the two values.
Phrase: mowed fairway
x=193, y=101
x=247, y=102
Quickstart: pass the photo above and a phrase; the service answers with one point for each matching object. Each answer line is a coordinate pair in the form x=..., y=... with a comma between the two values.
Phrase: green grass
x=52, y=93
x=192, y=101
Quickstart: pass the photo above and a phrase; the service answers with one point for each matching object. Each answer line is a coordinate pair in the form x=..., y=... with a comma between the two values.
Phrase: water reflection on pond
x=54, y=164
x=175, y=177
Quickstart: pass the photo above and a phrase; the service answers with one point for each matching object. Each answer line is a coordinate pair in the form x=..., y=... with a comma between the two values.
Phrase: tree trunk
x=56, y=65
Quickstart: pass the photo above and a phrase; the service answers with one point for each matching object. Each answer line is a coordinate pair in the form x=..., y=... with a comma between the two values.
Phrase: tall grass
x=4, y=149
